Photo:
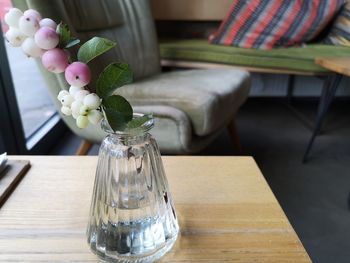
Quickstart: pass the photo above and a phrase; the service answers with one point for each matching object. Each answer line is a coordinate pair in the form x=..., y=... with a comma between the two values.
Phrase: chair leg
x=84, y=148
x=290, y=88
x=234, y=136
x=326, y=99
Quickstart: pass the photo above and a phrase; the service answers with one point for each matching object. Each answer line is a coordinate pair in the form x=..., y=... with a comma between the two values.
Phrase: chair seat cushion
x=172, y=130
x=293, y=58
x=209, y=98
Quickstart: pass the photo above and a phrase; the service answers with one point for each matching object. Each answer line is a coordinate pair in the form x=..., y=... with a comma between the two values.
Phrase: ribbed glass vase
x=132, y=217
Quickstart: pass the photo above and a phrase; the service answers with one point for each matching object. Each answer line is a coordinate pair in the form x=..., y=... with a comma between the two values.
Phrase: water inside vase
x=136, y=237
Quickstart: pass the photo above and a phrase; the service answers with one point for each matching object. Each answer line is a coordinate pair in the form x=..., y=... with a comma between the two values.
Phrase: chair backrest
x=129, y=22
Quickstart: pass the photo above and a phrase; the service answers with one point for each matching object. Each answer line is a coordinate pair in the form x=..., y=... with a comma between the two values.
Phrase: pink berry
x=78, y=74
x=47, y=22
x=55, y=60
x=46, y=38
x=34, y=13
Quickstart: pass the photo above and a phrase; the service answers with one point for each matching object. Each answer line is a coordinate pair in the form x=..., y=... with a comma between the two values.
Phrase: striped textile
x=267, y=24
x=340, y=32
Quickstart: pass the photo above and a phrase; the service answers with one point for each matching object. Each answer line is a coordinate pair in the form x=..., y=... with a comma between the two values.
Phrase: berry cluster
x=82, y=105
x=34, y=34
x=39, y=39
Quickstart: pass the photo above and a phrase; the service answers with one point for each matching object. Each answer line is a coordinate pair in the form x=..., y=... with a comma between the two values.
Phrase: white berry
x=81, y=94
x=31, y=49
x=82, y=122
x=67, y=100
x=92, y=101
x=12, y=17
x=74, y=89
x=95, y=116
x=47, y=22
x=75, y=107
x=15, y=37
x=34, y=13
x=84, y=110
x=61, y=94
x=28, y=25
x=66, y=110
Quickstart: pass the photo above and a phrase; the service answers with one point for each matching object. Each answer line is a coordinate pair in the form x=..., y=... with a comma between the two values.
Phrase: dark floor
x=313, y=195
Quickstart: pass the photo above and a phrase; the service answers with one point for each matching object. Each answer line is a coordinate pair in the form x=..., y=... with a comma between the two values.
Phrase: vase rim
x=144, y=128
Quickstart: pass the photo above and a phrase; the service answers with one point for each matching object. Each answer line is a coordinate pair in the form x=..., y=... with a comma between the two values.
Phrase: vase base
x=148, y=258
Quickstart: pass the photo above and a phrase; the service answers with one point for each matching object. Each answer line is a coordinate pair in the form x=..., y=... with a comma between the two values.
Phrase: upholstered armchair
x=190, y=107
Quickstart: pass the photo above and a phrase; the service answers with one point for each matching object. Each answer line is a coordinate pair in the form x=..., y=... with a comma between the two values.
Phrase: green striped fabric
x=293, y=58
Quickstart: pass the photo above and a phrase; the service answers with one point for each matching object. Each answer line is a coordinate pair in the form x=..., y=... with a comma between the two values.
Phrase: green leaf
x=118, y=112
x=93, y=48
x=115, y=120
x=112, y=77
x=138, y=122
x=72, y=42
x=63, y=33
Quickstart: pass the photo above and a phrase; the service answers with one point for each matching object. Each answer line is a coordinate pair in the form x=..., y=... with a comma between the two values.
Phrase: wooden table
x=227, y=213
x=341, y=67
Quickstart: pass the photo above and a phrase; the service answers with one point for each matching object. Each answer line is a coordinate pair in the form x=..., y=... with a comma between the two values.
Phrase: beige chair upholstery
x=191, y=107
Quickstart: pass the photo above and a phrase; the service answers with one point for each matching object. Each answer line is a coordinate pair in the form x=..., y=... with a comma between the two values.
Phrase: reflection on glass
x=35, y=104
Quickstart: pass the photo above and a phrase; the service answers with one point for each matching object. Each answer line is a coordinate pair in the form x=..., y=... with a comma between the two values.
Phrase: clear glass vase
x=132, y=217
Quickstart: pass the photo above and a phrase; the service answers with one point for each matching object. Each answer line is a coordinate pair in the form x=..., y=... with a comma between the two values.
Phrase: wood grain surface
x=340, y=65
x=227, y=213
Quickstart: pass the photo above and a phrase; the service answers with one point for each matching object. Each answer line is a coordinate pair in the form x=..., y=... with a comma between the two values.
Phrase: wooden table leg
x=84, y=147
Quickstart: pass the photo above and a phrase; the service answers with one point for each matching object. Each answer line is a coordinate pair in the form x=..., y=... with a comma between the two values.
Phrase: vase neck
x=129, y=140
x=129, y=136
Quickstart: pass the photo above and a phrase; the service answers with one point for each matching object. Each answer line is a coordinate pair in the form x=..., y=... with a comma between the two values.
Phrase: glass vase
x=132, y=217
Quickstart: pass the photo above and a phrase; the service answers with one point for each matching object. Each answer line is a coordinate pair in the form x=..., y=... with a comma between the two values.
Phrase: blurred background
x=274, y=126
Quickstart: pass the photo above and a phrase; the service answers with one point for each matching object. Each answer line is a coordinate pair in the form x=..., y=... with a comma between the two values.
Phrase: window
x=30, y=117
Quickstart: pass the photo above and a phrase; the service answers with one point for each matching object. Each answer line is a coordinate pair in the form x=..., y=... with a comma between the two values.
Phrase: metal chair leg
x=328, y=92
x=290, y=88
x=289, y=103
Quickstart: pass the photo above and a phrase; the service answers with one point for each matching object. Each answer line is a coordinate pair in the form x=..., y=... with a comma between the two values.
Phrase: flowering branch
x=43, y=38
